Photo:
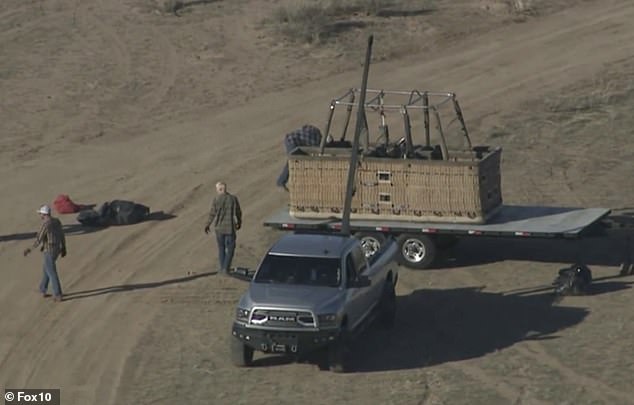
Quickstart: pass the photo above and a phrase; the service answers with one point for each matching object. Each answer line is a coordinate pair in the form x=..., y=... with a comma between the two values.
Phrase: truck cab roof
x=312, y=245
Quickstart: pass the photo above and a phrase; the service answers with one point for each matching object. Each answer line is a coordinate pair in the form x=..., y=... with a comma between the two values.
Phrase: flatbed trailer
x=419, y=241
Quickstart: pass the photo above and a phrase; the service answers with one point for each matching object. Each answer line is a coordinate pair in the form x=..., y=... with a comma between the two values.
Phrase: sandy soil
x=114, y=99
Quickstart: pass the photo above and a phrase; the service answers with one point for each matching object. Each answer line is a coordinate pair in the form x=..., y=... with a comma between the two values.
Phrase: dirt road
x=145, y=320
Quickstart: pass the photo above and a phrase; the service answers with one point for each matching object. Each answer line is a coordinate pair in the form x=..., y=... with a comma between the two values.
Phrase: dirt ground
x=115, y=99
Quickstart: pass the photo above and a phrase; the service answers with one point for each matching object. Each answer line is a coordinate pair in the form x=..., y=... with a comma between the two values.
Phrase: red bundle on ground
x=64, y=205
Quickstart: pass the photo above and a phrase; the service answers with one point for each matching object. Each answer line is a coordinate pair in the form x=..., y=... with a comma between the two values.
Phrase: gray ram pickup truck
x=311, y=292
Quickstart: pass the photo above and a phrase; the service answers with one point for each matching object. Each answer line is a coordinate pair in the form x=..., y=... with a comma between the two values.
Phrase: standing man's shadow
x=132, y=287
x=72, y=229
x=81, y=229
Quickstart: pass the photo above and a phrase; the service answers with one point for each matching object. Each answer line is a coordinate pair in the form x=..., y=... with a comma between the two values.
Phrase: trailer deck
x=510, y=221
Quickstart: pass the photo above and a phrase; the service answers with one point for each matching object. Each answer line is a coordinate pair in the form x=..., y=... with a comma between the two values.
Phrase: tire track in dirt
x=496, y=383
x=585, y=28
x=147, y=256
x=107, y=360
x=169, y=71
x=40, y=330
x=554, y=64
x=26, y=40
x=33, y=23
x=11, y=12
x=122, y=57
x=592, y=387
x=144, y=253
x=471, y=369
x=43, y=314
x=506, y=391
x=132, y=251
x=123, y=247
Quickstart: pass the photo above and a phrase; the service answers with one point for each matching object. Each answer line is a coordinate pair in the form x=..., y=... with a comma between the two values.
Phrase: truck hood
x=296, y=296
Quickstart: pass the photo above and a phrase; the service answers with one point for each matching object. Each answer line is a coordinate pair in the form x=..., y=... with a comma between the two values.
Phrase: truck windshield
x=317, y=271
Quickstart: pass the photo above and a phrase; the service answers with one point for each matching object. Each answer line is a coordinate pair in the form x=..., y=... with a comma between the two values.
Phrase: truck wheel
x=371, y=242
x=338, y=353
x=417, y=251
x=387, y=309
x=241, y=354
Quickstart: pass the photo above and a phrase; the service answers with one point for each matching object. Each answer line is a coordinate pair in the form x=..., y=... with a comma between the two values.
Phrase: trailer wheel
x=417, y=251
x=371, y=242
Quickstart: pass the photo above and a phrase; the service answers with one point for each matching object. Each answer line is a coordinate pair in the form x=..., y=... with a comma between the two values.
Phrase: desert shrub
x=302, y=22
x=368, y=7
x=174, y=6
x=314, y=20
x=168, y=6
x=525, y=7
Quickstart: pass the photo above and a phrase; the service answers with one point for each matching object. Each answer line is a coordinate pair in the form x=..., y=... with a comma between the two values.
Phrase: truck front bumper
x=284, y=342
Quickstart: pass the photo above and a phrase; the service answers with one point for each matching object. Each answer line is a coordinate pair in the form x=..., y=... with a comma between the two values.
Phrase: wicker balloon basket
x=466, y=188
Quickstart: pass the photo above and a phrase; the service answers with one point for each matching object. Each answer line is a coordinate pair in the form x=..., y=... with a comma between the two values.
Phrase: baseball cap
x=44, y=209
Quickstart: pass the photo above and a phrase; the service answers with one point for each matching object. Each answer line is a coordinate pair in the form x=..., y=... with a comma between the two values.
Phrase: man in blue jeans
x=226, y=217
x=51, y=237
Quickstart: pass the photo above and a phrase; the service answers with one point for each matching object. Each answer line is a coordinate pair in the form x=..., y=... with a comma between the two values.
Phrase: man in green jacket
x=226, y=217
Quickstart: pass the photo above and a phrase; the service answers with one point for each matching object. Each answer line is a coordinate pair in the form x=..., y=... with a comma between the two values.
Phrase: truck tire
x=387, y=308
x=338, y=353
x=241, y=354
x=416, y=251
x=371, y=242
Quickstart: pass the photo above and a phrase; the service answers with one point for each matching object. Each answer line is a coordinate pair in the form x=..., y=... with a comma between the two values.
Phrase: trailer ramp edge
x=510, y=221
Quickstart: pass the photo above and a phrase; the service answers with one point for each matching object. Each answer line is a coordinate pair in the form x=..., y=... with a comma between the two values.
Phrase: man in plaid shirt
x=226, y=217
x=51, y=237
x=308, y=135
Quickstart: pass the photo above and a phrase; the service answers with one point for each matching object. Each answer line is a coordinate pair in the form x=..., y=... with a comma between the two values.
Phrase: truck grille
x=282, y=319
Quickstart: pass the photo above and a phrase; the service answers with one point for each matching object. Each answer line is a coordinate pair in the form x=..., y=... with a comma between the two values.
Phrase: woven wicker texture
x=463, y=189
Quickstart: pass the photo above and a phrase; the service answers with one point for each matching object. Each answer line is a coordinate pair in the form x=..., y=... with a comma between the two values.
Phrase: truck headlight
x=242, y=314
x=327, y=320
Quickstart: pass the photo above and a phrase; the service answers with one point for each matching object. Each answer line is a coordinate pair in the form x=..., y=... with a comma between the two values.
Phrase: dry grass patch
x=522, y=6
x=175, y=6
x=314, y=21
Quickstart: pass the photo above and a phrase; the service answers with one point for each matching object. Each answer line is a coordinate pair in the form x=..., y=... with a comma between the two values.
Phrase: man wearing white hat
x=51, y=237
